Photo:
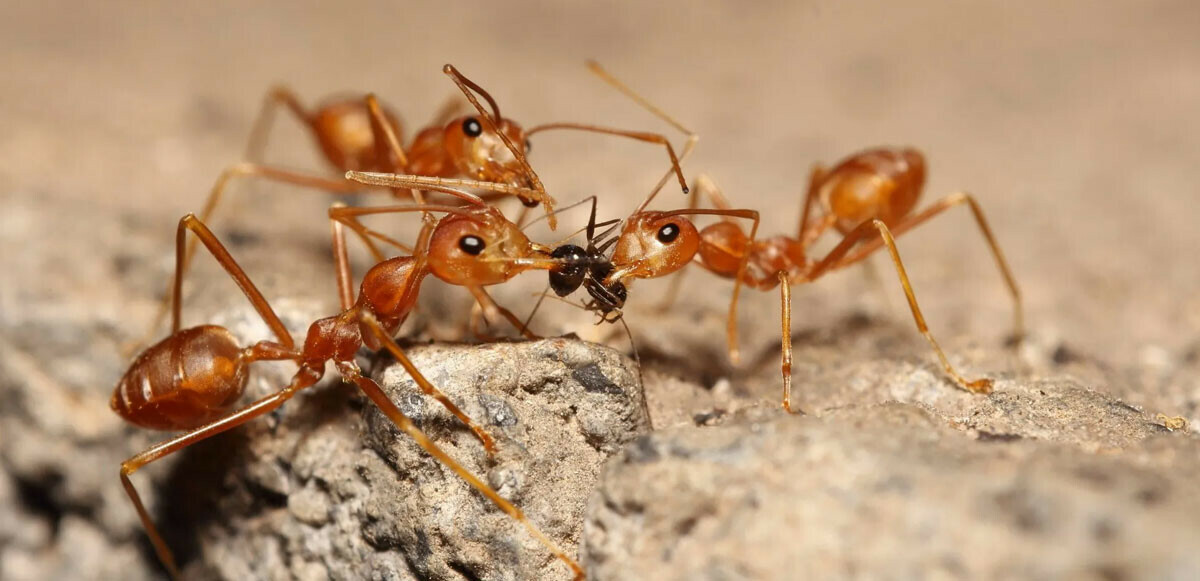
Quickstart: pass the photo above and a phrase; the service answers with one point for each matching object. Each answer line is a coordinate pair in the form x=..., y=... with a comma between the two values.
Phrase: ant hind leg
x=950, y=201
x=837, y=259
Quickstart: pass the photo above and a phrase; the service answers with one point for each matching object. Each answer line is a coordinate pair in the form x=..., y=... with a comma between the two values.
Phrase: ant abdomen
x=184, y=381
x=343, y=130
x=879, y=184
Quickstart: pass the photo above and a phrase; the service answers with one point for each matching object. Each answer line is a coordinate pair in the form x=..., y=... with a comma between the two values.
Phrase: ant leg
x=837, y=259
x=305, y=378
x=428, y=388
x=193, y=224
x=383, y=127
x=785, y=299
x=938, y=207
x=644, y=136
x=815, y=177
x=349, y=217
x=406, y=425
x=731, y=332
x=214, y=197
x=476, y=322
x=341, y=261
x=688, y=146
x=491, y=309
x=277, y=96
x=388, y=147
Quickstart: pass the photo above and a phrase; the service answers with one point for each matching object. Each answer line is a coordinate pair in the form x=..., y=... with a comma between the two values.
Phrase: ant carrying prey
x=869, y=194
x=362, y=134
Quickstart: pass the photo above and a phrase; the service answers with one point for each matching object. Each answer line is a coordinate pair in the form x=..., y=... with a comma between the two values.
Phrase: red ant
x=361, y=134
x=191, y=379
x=870, y=193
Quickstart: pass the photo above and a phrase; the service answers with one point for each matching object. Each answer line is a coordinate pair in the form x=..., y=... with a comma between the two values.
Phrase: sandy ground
x=1073, y=123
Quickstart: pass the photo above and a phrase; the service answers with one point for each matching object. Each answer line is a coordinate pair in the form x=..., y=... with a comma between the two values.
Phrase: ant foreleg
x=704, y=188
x=731, y=331
x=428, y=388
x=214, y=198
x=491, y=309
x=406, y=425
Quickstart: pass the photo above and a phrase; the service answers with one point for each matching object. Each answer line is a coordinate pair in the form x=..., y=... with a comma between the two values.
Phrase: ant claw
x=980, y=386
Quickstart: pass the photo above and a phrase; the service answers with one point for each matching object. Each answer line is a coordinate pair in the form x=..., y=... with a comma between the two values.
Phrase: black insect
x=587, y=268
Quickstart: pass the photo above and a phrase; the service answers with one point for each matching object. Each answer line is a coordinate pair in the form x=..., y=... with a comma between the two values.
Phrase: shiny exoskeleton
x=869, y=194
x=587, y=268
x=192, y=379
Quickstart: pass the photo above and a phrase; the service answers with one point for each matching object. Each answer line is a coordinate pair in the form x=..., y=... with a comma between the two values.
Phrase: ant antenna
x=463, y=80
x=591, y=198
x=657, y=112
x=541, y=297
x=641, y=379
x=605, y=234
x=467, y=86
x=662, y=182
x=640, y=100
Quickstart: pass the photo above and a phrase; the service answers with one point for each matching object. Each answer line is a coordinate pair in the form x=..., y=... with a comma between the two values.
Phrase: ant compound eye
x=667, y=234
x=528, y=146
x=472, y=127
x=472, y=245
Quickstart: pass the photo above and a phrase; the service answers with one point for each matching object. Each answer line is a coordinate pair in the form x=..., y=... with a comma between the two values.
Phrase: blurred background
x=1073, y=122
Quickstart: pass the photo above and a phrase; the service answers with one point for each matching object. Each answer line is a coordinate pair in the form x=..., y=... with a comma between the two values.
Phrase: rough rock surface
x=897, y=491
x=333, y=490
x=1073, y=122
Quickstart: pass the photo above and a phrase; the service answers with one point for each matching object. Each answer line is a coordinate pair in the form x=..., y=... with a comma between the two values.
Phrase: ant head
x=480, y=153
x=479, y=248
x=653, y=244
x=568, y=276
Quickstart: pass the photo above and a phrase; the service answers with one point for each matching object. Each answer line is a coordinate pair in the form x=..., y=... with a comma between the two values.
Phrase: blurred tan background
x=1073, y=122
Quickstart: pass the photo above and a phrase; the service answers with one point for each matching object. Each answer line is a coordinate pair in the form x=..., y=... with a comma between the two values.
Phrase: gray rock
x=1071, y=484
x=558, y=408
x=334, y=492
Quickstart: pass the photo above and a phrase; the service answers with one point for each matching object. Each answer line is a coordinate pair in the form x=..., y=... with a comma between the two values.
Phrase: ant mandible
x=867, y=194
x=363, y=135
x=191, y=379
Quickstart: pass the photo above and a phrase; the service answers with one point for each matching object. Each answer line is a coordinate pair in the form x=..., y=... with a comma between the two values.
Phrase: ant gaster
x=191, y=379
x=871, y=193
x=362, y=134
